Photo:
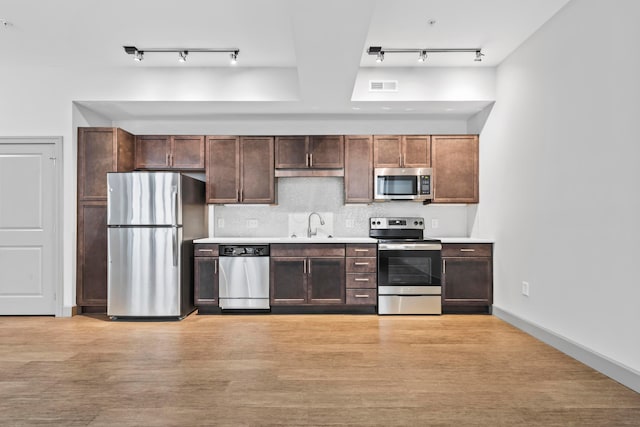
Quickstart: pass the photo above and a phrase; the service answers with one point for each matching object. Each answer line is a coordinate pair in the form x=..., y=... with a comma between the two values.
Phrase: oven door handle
x=409, y=246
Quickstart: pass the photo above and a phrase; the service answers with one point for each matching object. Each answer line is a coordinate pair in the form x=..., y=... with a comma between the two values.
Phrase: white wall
x=559, y=179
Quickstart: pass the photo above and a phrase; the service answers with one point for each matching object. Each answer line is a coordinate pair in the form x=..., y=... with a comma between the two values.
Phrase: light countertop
x=267, y=240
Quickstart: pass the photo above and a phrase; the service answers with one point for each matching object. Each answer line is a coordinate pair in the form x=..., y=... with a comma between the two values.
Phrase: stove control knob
x=420, y=222
x=415, y=222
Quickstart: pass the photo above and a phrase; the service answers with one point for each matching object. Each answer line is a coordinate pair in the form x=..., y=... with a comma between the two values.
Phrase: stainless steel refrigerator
x=152, y=220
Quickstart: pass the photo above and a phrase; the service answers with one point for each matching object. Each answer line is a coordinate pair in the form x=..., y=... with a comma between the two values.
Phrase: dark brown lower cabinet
x=307, y=274
x=206, y=275
x=288, y=280
x=325, y=281
x=92, y=255
x=307, y=281
x=467, y=271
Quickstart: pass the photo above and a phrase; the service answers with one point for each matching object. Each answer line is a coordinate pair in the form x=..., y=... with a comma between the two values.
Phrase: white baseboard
x=625, y=375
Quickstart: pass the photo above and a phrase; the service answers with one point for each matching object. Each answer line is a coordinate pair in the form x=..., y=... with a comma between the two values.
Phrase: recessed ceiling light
x=431, y=22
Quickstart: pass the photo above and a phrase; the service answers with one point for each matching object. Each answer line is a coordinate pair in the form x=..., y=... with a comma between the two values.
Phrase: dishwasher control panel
x=244, y=250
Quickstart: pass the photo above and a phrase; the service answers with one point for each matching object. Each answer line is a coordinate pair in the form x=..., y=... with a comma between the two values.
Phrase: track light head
x=234, y=57
x=479, y=56
x=138, y=55
x=422, y=56
x=182, y=56
x=380, y=57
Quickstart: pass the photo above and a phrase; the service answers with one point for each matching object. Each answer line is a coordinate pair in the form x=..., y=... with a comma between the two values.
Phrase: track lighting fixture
x=138, y=53
x=379, y=52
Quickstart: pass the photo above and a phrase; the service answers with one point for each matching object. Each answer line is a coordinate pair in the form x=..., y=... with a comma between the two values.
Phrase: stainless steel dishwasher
x=244, y=277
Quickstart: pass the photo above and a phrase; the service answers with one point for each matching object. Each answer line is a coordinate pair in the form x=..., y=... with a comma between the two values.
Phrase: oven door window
x=398, y=185
x=408, y=268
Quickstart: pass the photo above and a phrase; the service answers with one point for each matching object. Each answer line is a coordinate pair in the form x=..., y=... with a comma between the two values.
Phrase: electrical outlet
x=525, y=289
x=252, y=223
x=220, y=222
x=350, y=223
x=435, y=223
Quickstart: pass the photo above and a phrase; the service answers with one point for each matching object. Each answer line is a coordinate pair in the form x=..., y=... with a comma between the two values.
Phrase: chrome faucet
x=309, y=233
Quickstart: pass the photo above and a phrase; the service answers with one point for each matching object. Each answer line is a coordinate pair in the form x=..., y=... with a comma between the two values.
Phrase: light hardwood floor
x=296, y=370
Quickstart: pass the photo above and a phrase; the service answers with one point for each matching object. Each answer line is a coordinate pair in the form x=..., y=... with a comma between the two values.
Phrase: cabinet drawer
x=466, y=250
x=361, y=296
x=361, y=280
x=362, y=250
x=361, y=265
x=205, y=249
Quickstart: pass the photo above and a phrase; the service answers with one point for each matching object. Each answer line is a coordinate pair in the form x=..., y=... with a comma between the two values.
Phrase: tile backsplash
x=298, y=197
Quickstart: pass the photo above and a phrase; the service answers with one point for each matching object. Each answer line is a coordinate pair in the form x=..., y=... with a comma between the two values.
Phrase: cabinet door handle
x=304, y=267
x=215, y=266
x=311, y=160
x=361, y=250
x=238, y=195
x=444, y=266
x=360, y=280
x=205, y=250
x=307, y=160
x=467, y=250
x=241, y=194
x=168, y=160
x=361, y=296
x=360, y=263
x=309, y=268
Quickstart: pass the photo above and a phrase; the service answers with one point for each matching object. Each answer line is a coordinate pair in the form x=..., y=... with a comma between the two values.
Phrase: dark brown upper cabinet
x=183, y=152
x=402, y=151
x=318, y=155
x=455, y=168
x=240, y=169
x=358, y=169
x=101, y=150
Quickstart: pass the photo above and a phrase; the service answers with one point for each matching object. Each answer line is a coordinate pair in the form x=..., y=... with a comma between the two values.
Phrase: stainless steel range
x=409, y=267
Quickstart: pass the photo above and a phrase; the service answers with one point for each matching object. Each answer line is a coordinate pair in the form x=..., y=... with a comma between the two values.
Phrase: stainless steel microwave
x=403, y=184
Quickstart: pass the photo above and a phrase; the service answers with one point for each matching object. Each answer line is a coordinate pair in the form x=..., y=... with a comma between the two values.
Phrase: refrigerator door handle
x=174, y=206
x=174, y=244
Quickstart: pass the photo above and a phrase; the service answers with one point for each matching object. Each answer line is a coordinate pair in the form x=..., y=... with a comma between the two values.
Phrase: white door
x=28, y=274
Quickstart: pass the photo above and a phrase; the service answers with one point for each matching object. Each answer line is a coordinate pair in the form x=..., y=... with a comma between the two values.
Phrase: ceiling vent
x=383, y=85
